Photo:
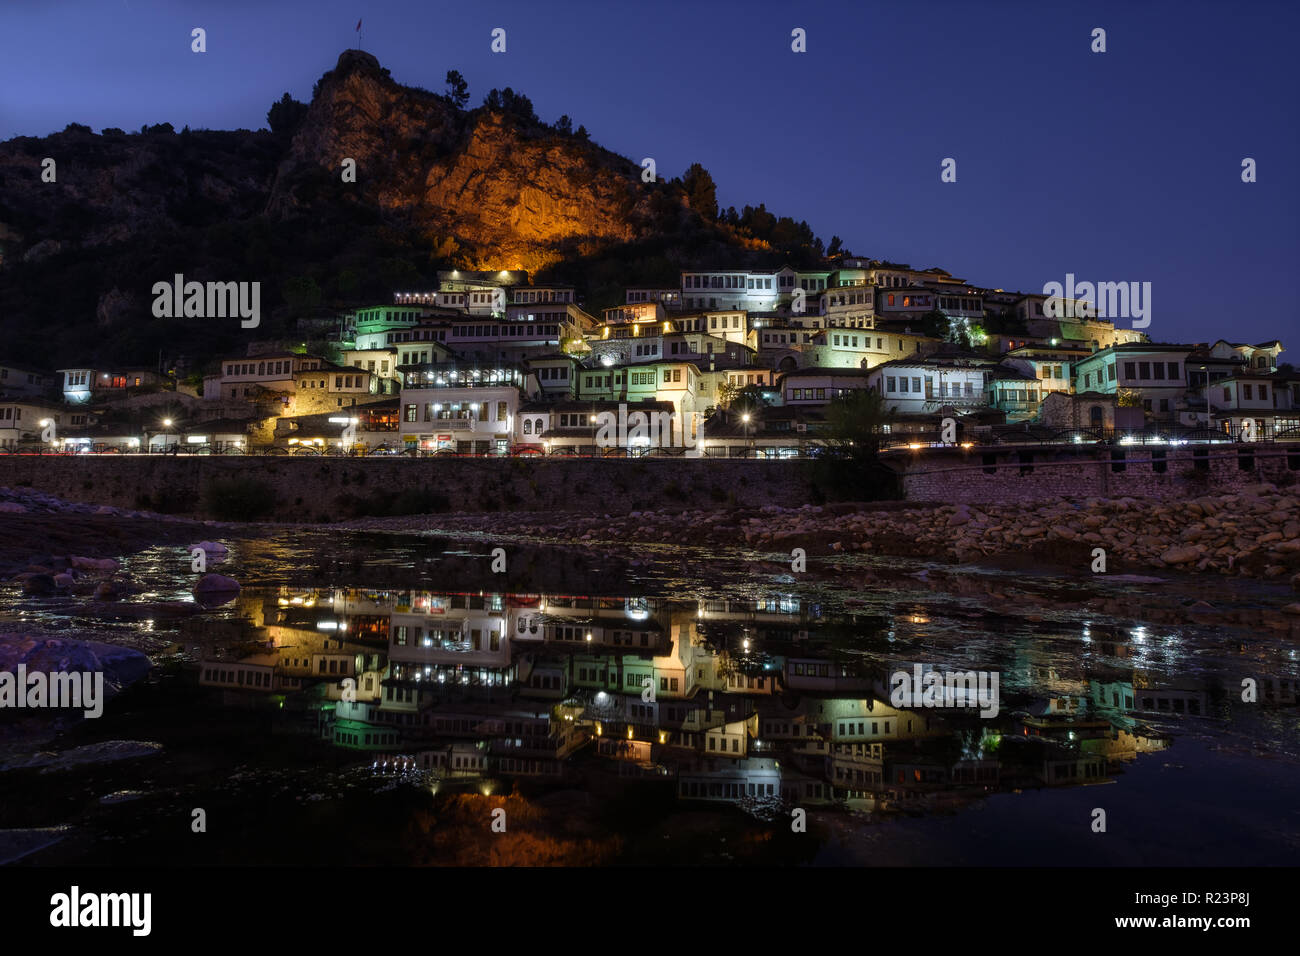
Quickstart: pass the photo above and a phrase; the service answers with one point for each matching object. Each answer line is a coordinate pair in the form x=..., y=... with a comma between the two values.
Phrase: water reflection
x=763, y=700
x=637, y=703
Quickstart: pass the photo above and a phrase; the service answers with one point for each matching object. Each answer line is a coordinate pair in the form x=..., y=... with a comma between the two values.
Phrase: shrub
x=412, y=501
x=166, y=501
x=238, y=499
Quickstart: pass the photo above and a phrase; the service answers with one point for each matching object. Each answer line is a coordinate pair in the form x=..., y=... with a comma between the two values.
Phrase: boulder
x=1183, y=555
x=94, y=564
x=38, y=584
x=211, y=547
x=215, y=583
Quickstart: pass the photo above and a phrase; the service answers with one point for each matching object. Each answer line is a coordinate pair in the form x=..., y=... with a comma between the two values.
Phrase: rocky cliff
x=435, y=187
x=511, y=195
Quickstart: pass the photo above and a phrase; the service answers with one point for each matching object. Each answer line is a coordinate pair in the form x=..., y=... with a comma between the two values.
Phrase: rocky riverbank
x=1254, y=532
x=48, y=545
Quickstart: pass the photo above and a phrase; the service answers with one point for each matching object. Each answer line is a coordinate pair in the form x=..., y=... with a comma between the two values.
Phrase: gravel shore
x=1254, y=532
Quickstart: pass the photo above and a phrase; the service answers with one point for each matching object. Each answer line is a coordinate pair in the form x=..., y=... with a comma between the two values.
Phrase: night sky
x=1117, y=166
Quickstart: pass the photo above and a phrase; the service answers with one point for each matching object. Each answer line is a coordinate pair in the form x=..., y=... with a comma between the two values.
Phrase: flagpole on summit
x=358, y=34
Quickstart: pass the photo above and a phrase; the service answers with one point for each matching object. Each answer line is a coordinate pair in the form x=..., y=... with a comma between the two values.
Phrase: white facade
x=463, y=409
x=920, y=387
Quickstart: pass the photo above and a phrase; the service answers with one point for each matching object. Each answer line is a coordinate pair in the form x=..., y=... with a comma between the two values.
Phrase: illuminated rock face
x=511, y=197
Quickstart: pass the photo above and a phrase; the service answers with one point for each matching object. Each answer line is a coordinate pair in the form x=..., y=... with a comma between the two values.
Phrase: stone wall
x=1034, y=473
x=310, y=489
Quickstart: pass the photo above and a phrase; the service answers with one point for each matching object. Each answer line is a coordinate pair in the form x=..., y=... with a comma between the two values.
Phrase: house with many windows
x=926, y=385
x=18, y=380
x=817, y=386
x=82, y=385
x=460, y=406
x=786, y=288
x=1155, y=373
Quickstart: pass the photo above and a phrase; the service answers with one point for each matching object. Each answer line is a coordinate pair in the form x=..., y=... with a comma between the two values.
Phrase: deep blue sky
x=1117, y=166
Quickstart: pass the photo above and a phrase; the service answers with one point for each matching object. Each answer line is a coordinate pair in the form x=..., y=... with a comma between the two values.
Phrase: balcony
x=452, y=424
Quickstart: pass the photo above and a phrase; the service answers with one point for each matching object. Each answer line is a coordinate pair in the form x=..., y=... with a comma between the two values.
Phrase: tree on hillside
x=285, y=114
x=702, y=191
x=457, y=89
x=741, y=401
x=512, y=103
x=564, y=124
x=849, y=445
x=935, y=324
x=301, y=294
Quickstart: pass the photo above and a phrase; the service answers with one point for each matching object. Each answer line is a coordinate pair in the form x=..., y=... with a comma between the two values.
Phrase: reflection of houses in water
x=1074, y=770
x=918, y=779
x=287, y=643
x=1124, y=745
x=710, y=778
x=253, y=672
x=1134, y=697
x=761, y=699
x=1278, y=691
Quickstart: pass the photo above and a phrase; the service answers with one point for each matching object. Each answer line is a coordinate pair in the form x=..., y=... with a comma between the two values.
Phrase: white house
x=457, y=406
x=923, y=386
